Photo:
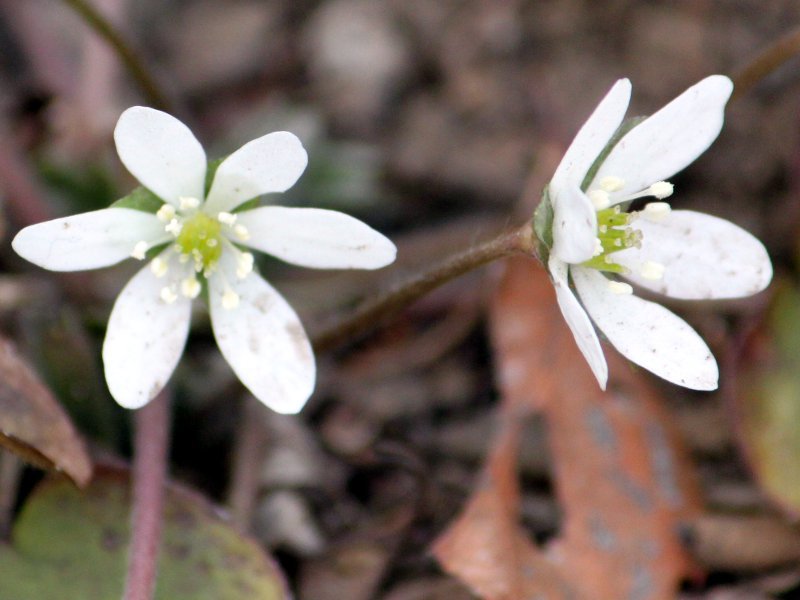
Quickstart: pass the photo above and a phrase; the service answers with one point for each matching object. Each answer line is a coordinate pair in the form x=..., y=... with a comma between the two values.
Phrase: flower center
x=200, y=240
x=614, y=231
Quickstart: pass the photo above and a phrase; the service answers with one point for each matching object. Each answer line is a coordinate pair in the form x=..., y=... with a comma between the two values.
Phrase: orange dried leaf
x=620, y=473
x=33, y=424
x=486, y=548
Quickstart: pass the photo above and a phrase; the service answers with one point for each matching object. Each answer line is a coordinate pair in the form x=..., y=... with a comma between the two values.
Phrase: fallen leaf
x=33, y=424
x=486, y=548
x=624, y=485
x=72, y=544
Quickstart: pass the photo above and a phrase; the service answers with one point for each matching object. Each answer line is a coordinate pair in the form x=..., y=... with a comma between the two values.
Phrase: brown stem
x=372, y=312
x=248, y=456
x=151, y=445
x=132, y=61
x=766, y=62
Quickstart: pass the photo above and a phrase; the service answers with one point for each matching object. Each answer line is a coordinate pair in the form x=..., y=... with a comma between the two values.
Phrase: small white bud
x=168, y=295
x=656, y=211
x=612, y=184
x=599, y=199
x=188, y=203
x=139, y=250
x=190, y=287
x=241, y=233
x=166, y=213
x=661, y=189
x=159, y=267
x=230, y=299
x=244, y=265
x=619, y=287
x=226, y=218
x=173, y=227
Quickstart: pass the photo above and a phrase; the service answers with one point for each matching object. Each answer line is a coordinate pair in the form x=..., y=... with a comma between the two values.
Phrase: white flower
x=202, y=237
x=679, y=253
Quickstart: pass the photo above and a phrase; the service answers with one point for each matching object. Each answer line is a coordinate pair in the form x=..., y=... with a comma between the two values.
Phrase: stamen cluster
x=614, y=231
x=199, y=239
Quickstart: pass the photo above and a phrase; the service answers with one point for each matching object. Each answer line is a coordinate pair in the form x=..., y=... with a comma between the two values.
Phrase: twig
x=248, y=456
x=766, y=62
x=137, y=67
x=372, y=312
x=151, y=445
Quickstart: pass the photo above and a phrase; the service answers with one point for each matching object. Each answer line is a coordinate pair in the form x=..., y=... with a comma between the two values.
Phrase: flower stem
x=374, y=311
x=248, y=456
x=132, y=61
x=766, y=62
x=151, y=444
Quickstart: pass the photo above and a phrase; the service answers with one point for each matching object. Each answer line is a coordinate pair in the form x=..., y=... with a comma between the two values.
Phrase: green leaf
x=72, y=544
x=769, y=400
x=140, y=199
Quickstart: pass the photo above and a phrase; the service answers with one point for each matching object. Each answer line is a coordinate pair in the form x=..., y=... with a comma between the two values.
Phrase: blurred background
x=436, y=122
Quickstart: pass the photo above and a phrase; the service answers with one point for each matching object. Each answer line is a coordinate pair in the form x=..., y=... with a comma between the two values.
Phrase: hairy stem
x=373, y=311
x=151, y=445
x=133, y=62
x=766, y=62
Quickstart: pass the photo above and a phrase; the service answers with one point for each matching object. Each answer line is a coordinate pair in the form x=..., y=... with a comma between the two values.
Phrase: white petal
x=264, y=342
x=670, y=139
x=704, y=257
x=89, y=240
x=316, y=238
x=578, y=322
x=647, y=333
x=594, y=135
x=144, y=340
x=574, y=225
x=271, y=163
x=162, y=153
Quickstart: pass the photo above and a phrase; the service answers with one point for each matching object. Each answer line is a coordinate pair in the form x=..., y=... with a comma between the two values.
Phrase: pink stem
x=151, y=443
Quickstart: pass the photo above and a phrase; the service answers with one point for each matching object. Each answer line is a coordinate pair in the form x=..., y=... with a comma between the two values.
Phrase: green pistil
x=200, y=239
x=614, y=235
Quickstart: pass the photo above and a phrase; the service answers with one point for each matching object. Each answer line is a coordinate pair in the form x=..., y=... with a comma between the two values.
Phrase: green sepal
x=211, y=170
x=621, y=131
x=140, y=199
x=543, y=225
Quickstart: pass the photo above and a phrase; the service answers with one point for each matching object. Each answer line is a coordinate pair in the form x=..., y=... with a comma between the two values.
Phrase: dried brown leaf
x=33, y=424
x=486, y=548
x=624, y=485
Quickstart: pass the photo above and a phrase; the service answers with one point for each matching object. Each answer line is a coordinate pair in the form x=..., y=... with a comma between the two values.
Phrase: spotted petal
x=162, y=153
x=264, y=342
x=88, y=240
x=670, y=139
x=144, y=340
x=705, y=257
x=316, y=238
x=271, y=163
x=647, y=333
x=578, y=322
